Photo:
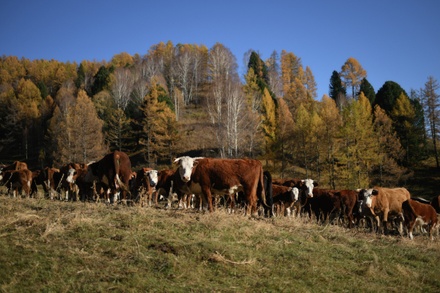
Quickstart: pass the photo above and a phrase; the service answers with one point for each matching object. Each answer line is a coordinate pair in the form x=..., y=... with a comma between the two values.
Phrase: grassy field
x=52, y=246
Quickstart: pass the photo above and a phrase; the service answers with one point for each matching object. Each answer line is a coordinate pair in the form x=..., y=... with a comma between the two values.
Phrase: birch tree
x=222, y=76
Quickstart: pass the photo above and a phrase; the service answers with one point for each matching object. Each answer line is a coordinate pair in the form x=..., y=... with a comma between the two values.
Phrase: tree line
x=188, y=99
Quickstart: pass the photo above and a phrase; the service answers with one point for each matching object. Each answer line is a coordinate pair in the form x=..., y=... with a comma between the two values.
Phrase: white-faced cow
x=284, y=198
x=387, y=202
x=113, y=172
x=144, y=185
x=415, y=212
x=305, y=187
x=208, y=176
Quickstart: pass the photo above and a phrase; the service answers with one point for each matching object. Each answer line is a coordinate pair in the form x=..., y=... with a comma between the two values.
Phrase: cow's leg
x=207, y=195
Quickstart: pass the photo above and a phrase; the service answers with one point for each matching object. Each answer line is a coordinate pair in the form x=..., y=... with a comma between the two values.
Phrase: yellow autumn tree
x=159, y=126
x=268, y=118
x=328, y=133
x=76, y=132
x=359, y=149
x=388, y=170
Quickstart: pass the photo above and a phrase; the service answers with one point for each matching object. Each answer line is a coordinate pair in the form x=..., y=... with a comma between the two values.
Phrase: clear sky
x=393, y=40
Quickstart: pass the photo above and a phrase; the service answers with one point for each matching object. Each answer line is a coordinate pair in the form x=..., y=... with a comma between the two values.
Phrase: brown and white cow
x=145, y=181
x=208, y=176
x=284, y=198
x=113, y=172
x=387, y=202
x=415, y=212
x=17, y=181
x=305, y=187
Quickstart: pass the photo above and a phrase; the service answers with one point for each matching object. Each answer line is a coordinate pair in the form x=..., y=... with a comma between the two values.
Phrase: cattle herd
x=237, y=184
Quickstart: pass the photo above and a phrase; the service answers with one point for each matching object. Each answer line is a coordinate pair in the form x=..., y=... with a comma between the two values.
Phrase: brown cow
x=17, y=181
x=388, y=202
x=346, y=200
x=209, y=176
x=415, y=212
x=113, y=172
x=168, y=184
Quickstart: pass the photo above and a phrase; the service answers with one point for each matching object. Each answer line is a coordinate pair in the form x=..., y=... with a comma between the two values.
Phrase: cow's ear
x=358, y=190
x=315, y=184
x=375, y=192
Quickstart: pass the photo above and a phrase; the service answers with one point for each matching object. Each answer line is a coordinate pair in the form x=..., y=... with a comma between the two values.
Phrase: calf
x=145, y=181
x=415, y=212
x=285, y=197
x=17, y=181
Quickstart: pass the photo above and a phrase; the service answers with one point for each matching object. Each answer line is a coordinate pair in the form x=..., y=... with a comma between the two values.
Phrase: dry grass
x=53, y=246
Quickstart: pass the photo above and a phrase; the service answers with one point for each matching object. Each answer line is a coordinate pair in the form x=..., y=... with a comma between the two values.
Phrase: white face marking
x=295, y=192
x=309, y=185
x=367, y=194
x=70, y=174
x=152, y=175
x=186, y=165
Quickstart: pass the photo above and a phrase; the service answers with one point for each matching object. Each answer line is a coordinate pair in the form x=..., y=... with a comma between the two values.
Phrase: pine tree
x=336, y=90
x=387, y=95
x=368, y=90
x=431, y=103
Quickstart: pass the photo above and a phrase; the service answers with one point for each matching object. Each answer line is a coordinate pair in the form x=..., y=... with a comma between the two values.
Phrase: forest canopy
x=189, y=99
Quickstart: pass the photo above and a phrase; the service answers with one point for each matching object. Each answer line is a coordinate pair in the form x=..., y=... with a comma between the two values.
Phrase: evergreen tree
x=368, y=90
x=102, y=80
x=387, y=95
x=260, y=70
x=431, y=103
x=337, y=91
x=81, y=77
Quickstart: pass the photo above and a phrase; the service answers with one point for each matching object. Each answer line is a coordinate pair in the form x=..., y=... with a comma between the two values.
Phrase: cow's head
x=365, y=196
x=70, y=175
x=186, y=165
x=307, y=186
x=152, y=176
x=295, y=194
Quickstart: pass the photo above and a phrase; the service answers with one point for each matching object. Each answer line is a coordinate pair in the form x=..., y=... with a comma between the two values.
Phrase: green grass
x=51, y=246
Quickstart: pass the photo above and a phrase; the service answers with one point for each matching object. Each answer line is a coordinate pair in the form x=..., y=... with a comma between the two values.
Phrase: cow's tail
x=261, y=192
x=267, y=179
x=121, y=184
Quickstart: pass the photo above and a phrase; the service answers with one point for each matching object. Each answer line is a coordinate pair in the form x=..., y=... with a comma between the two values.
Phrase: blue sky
x=392, y=40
